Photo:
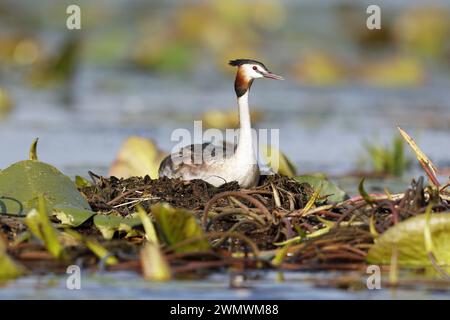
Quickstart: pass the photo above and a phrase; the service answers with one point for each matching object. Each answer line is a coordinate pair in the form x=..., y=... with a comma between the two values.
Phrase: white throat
x=244, y=152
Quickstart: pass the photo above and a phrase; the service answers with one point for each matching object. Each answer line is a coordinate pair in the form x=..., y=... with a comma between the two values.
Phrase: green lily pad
x=177, y=225
x=407, y=237
x=72, y=216
x=110, y=224
x=328, y=188
x=24, y=181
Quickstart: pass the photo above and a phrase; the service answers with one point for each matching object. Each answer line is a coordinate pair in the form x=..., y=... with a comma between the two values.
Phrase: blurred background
x=147, y=67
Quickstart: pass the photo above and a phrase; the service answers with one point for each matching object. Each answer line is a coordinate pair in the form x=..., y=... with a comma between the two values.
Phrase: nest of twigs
x=322, y=236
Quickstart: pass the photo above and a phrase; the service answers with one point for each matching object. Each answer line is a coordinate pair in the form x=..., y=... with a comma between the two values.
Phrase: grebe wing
x=195, y=158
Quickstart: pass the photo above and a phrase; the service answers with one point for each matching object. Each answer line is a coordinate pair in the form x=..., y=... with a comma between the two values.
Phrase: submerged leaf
x=109, y=224
x=409, y=240
x=327, y=188
x=71, y=216
x=178, y=225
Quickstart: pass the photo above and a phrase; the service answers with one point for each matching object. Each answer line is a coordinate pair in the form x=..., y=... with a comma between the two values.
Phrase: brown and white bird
x=218, y=164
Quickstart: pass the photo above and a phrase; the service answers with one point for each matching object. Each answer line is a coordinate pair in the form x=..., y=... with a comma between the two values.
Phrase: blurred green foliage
x=387, y=160
x=318, y=44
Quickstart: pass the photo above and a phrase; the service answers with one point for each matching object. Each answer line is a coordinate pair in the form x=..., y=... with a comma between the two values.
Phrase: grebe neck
x=244, y=150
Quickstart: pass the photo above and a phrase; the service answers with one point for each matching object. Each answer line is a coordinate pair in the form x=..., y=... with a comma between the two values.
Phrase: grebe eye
x=255, y=68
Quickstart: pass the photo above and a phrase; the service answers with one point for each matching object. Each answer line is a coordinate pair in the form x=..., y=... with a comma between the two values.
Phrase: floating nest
x=279, y=213
x=333, y=236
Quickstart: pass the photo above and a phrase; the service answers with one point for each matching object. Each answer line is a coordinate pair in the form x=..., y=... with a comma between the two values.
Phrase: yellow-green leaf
x=8, y=268
x=39, y=224
x=137, y=157
x=150, y=232
x=408, y=237
x=179, y=225
x=278, y=161
x=327, y=188
x=154, y=264
x=101, y=252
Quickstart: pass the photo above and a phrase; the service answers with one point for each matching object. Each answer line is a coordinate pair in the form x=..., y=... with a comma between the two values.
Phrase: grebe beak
x=271, y=75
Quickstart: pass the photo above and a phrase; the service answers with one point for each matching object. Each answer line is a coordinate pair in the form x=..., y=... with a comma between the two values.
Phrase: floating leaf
x=328, y=188
x=24, y=181
x=178, y=225
x=8, y=268
x=154, y=264
x=137, y=157
x=408, y=238
x=71, y=216
x=109, y=224
x=39, y=224
x=278, y=161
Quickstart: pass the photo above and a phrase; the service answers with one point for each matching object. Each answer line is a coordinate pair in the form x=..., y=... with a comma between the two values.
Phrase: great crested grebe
x=218, y=164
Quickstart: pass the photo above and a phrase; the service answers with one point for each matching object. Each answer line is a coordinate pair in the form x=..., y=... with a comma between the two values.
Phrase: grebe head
x=249, y=70
x=252, y=69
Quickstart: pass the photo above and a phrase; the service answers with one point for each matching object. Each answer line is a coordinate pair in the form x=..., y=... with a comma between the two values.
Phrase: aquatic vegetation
x=276, y=159
x=212, y=26
x=19, y=50
x=71, y=216
x=394, y=71
x=109, y=224
x=137, y=157
x=6, y=103
x=227, y=119
x=155, y=266
x=328, y=190
x=424, y=30
x=38, y=222
x=22, y=183
x=318, y=68
x=177, y=226
x=59, y=68
x=387, y=160
x=8, y=268
x=408, y=239
x=166, y=228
